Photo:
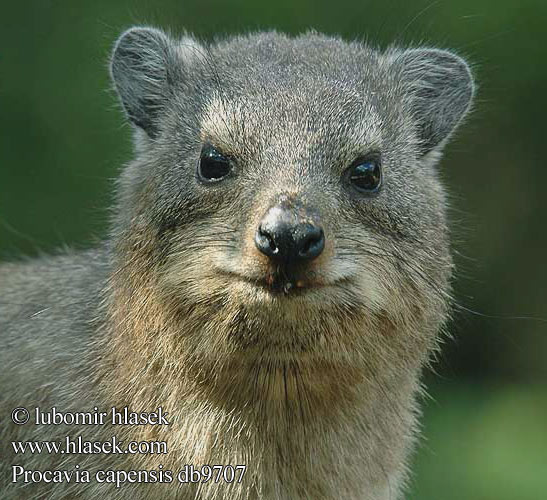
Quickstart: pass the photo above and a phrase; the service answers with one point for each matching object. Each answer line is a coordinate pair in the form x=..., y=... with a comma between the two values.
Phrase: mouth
x=278, y=283
x=283, y=284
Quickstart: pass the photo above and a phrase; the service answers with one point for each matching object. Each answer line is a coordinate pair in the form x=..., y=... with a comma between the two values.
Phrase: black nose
x=282, y=236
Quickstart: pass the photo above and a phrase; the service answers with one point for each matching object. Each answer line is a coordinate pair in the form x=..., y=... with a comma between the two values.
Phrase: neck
x=295, y=420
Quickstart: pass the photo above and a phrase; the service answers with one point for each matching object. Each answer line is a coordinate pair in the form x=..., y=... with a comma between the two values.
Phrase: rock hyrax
x=275, y=277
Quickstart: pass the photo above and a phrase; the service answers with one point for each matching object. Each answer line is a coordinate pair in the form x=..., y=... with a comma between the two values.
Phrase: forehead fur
x=310, y=54
x=271, y=88
x=232, y=123
x=314, y=72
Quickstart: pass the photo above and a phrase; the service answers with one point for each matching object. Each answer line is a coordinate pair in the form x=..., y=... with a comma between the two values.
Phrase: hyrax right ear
x=145, y=67
x=439, y=89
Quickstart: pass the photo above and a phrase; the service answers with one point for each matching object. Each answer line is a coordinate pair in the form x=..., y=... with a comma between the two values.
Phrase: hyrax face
x=295, y=176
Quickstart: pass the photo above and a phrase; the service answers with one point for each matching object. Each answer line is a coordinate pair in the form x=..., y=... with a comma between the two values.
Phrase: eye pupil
x=366, y=175
x=213, y=165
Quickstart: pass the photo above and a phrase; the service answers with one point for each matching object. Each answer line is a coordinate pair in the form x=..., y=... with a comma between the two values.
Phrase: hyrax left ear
x=146, y=66
x=439, y=88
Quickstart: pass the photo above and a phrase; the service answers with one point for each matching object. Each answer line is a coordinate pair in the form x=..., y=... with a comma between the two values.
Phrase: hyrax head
x=277, y=170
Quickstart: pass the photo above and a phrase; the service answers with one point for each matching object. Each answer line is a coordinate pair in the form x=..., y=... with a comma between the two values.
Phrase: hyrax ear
x=146, y=66
x=439, y=88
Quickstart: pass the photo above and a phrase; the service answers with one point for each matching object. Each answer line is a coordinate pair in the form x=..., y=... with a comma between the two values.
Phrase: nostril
x=269, y=241
x=312, y=243
x=265, y=242
x=308, y=244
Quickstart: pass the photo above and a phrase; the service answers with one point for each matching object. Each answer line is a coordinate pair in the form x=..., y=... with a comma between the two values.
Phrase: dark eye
x=365, y=175
x=213, y=165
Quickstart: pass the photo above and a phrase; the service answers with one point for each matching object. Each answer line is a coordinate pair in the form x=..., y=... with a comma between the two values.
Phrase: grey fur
x=440, y=91
x=316, y=393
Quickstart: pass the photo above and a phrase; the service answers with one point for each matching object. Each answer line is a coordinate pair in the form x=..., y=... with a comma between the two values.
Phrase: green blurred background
x=63, y=140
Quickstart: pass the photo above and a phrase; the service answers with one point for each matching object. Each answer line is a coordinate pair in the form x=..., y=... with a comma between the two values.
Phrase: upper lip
x=278, y=283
